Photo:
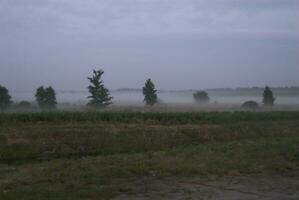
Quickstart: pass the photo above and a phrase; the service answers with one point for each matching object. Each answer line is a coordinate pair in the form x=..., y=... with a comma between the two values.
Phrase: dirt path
x=254, y=187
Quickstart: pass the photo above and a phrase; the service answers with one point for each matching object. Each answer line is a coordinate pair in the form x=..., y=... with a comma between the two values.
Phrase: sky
x=179, y=44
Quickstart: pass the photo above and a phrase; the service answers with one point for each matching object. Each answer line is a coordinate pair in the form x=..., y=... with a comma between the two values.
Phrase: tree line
x=100, y=96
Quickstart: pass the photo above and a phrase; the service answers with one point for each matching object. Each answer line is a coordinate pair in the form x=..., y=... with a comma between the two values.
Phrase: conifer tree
x=99, y=95
x=150, y=93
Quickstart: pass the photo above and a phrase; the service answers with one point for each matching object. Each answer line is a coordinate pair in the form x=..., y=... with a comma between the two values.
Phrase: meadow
x=101, y=155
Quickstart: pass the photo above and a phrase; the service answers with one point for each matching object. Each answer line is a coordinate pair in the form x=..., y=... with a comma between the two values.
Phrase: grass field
x=93, y=155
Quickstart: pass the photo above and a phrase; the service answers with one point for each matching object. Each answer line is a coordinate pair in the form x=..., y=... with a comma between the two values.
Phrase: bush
x=23, y=105
x=250, y=105
x=201, y=97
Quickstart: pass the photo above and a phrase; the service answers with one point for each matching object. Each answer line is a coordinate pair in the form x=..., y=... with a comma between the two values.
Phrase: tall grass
x=135, y=117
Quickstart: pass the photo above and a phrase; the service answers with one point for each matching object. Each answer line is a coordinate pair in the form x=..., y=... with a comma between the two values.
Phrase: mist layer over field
x=135, y=97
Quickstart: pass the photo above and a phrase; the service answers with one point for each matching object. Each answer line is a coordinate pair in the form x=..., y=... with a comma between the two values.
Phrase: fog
x=181, y=45
x=170, y=97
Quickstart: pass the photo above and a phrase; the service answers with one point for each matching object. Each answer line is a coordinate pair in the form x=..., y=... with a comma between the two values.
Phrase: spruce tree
x=5, y=98
x=99, y=95
x=268, y=98
x=149, y=93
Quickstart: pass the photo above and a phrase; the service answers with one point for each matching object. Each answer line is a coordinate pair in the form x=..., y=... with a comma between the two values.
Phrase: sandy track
x=253, y=187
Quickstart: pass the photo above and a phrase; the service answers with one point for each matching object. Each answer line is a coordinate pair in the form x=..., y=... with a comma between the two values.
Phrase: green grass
x=102, y=155
x=137, y=117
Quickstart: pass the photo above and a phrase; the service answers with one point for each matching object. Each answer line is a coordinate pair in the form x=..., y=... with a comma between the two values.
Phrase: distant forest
x=239, y=89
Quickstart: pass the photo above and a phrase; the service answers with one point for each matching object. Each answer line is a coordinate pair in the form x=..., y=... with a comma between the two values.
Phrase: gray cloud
x=58, y=42
x=217, y=17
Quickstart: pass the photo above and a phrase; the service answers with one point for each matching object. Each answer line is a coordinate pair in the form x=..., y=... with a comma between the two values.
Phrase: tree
x=201, y=97
x=268, y=98
x=149, y=93
x=5, y=98
x=46, y=98
x=40, y=96
x=51, y=98
x=99, y=95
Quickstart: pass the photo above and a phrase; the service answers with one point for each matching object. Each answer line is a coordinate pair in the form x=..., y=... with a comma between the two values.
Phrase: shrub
x=201, y=97
x=250, y=105
x=23, y=105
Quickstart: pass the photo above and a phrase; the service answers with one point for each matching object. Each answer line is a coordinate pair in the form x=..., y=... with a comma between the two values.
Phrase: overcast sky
x=180, y=44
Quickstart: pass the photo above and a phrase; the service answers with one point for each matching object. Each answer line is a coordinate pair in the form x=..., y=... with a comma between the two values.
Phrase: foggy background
x=181, y=45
